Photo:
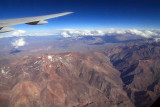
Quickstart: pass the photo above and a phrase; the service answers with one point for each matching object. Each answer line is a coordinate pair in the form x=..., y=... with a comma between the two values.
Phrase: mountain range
x=124, y=76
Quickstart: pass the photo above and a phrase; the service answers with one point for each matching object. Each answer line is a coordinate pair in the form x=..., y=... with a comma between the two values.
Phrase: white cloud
x=65, y=34
x=150, y=33
x=79, y=33
x=18, y=33
x=75, y=33
x=40, y=34
x=110, y=32
x=144, y=33
x=115, y=31
x=13, y=34
x=18, y=42
x=21, y=33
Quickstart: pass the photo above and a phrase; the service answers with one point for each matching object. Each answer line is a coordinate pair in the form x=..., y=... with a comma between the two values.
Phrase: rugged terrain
x=122, y=77
x=139, y=64
x=70, y=79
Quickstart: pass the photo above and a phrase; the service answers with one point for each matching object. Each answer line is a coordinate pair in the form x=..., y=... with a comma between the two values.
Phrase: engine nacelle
x=37, y=22
x=6, y=29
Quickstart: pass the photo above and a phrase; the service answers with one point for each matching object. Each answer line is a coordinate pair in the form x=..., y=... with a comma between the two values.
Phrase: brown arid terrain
x=69, y=79
x=127, y=76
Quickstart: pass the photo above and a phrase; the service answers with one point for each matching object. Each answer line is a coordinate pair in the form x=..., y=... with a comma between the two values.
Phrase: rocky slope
x=61, y=80
x=139, y=64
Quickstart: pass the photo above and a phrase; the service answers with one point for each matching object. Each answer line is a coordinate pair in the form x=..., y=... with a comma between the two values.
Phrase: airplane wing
x=4, y=24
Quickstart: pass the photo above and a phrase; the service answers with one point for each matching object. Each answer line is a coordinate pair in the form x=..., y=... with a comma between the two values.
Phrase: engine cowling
x=37, y=22
x=6, y=29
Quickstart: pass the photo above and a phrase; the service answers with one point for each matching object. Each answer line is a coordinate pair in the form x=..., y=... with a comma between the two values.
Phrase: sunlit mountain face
x=105, y=54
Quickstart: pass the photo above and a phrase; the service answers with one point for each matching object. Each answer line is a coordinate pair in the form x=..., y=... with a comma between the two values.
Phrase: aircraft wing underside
x=4, y=24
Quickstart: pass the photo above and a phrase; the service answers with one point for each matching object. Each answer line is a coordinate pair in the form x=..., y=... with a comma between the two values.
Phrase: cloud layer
x=18, y=43
x=79, y=33
x=18, y=33
x=75, y=32
x=109, y=32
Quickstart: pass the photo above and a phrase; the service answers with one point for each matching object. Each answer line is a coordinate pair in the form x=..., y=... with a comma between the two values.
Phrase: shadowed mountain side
x=139, y=64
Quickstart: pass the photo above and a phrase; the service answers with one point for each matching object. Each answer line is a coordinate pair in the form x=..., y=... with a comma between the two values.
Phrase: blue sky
x=88, y=14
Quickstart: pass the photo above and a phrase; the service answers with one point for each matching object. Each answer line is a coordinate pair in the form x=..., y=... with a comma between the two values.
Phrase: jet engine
x=6, y=29
x=37, y=22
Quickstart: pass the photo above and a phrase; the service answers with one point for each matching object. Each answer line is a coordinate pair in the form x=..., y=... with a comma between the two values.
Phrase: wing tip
x=69, y=12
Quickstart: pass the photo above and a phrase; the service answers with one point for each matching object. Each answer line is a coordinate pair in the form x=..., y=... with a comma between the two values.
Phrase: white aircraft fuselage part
x=6, y=29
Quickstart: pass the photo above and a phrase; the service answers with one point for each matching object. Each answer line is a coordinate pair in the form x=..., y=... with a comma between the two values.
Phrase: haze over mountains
x=69, y=40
